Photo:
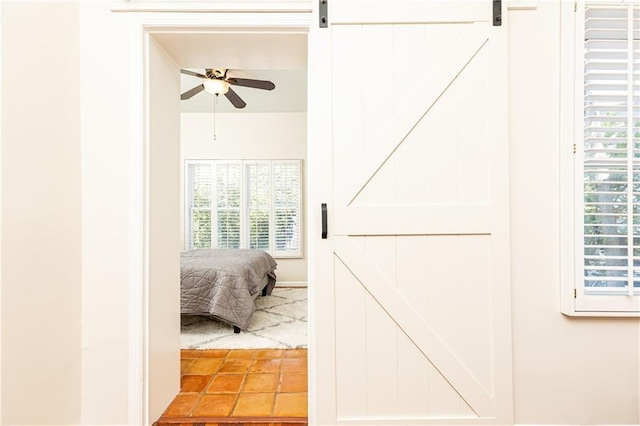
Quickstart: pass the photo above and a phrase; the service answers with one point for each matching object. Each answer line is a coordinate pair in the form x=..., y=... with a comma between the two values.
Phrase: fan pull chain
x=215, y=101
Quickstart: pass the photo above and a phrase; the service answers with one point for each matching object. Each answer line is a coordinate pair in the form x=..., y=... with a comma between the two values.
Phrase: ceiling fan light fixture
x=216, y=87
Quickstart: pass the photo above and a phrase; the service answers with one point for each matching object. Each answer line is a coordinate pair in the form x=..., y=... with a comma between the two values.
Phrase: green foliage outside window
x=606, y=215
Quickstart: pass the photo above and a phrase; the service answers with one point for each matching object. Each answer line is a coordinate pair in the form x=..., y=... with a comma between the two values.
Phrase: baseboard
x=230, y=421
x=291, y=283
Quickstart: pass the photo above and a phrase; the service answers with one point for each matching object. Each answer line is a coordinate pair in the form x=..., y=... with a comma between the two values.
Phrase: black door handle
x=324, y=221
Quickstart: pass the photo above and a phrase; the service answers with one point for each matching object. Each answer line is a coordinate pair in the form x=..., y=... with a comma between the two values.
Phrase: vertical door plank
x=412, y=272
x=413, y=366
x=475, y=307
x=351, y=343
x=347, y=95
x=473, y=132
x=443, y=296
x=411, y=173
x=381, y=189
x=442, y=164
x=410, y=65
x=382, y=251
x=466, y=411
x=440, y=42
x=413, y=379
x=443, y=316
x=377, y=98
x=377, y=78
x=382, y=361
x=382, y=334
x=444, y=401
x=409, y=62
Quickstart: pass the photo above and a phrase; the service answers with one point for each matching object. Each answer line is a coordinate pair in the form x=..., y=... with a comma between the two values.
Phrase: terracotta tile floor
x=264, y=387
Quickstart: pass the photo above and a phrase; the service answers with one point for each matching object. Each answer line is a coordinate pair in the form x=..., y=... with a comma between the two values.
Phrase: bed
x=224, y=283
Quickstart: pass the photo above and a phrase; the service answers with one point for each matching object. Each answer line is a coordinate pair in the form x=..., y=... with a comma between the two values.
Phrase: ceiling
x=278, y=57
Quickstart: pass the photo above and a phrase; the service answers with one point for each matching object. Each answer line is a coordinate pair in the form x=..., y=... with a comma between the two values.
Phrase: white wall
x=105, y=234
x=254, y=136
x=163, y=232
x=566, y=370
x=41, y=214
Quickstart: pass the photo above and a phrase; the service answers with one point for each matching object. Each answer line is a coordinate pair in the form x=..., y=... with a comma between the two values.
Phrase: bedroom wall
x=41, y=214
x=254, y=136
x=566, y=370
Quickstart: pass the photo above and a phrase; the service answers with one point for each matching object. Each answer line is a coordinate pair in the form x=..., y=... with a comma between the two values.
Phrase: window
x=605, y=169
x=244, y=204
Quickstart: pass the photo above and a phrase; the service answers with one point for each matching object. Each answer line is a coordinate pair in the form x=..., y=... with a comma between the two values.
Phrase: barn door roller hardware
x=497, y=13
x=323, y=17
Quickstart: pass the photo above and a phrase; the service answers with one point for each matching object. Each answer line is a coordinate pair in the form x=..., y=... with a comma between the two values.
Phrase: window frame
x=574, y=300
x=244, y=204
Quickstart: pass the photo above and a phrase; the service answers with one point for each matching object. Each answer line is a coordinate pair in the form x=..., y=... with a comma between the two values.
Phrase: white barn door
x=418, y=229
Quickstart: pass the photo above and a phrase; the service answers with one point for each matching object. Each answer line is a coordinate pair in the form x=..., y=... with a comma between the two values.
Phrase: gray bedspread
x=224, y=282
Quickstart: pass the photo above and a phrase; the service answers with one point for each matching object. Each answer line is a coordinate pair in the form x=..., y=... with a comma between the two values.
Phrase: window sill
x=522, y=5
x=600, y=314
x=292, y=257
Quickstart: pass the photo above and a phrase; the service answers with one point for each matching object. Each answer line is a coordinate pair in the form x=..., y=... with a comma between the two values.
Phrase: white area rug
x=280, y=322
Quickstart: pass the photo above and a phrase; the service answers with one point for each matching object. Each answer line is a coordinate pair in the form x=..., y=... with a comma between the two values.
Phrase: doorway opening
x=211, y=132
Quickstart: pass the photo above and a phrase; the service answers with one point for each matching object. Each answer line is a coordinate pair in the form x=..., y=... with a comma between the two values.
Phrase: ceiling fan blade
x=189, y=93
x=235, y=99
x=195, y=74
x=255, y=84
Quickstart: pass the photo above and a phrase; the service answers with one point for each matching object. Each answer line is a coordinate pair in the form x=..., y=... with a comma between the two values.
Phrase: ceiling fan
x=216, y=82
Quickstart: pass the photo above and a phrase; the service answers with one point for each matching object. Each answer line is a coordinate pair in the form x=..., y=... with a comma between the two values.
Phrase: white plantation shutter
x=610, y=172
x=244, y=204
x=198, y=205
x=258, y=183
x=286, y=188
x=228, y=199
